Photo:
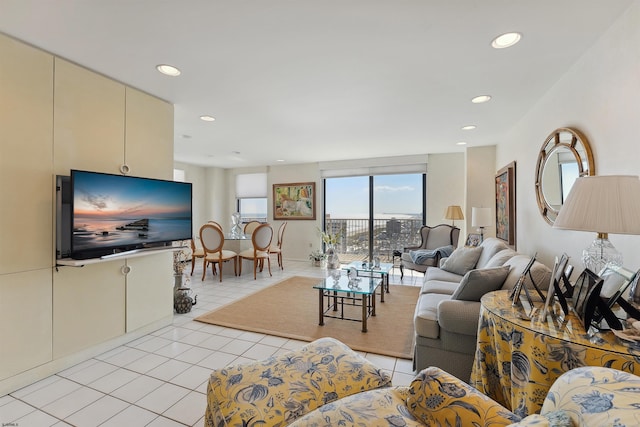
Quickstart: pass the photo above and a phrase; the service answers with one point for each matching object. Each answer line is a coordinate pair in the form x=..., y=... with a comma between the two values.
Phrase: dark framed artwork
x=294, y=201
x=506, y=204
x=473, y=240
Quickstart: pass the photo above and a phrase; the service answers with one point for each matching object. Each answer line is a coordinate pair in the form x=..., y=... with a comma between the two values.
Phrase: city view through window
x=396, y=215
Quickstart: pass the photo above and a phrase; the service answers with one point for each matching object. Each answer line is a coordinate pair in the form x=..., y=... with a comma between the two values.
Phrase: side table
x=518, y=359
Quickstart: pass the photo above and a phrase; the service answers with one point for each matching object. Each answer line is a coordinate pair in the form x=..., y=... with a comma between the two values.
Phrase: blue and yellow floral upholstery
x=376, y=408
x=596, y=396
x=440, y=399
x=276, y=391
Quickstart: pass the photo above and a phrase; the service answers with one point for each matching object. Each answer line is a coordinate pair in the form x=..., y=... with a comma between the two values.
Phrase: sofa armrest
x=437, y=398
x=459, y=316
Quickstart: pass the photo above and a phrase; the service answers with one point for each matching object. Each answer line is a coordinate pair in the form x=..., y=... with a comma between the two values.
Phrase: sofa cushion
x=425, y=319
x=541, y=273
x=442, y=275
x=438, y=287
x=282, y=388
x=490, y=246
x=462, y=260
x=500, y=258
x=437, y=398
x=476, y=283
x=385, y=407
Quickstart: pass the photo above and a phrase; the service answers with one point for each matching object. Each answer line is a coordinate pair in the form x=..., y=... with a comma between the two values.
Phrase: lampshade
x=481, y=217
x=453, y=213
x=602, y=204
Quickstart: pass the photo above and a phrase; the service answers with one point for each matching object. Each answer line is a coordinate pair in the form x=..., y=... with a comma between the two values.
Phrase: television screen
x=116, y=213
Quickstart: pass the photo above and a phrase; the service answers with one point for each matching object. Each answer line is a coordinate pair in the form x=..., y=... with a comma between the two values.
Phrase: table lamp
x=453, y=213
x=481, y=218
x=602, y=204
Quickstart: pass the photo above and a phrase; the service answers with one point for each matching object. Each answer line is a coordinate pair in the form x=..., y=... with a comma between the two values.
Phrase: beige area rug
x=290, y=309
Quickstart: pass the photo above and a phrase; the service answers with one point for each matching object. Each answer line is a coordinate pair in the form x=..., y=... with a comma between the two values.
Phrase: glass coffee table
x=366, y=269
x=360, y=292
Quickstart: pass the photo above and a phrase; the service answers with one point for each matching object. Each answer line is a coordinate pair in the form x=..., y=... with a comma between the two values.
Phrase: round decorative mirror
x=565, y=156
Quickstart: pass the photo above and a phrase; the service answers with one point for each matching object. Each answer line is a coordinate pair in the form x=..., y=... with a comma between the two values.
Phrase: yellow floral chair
x=276, y=391
x=326, y=384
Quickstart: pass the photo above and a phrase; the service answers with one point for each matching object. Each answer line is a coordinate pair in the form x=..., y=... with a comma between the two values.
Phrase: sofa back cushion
x=462, y=260
x=500, y=258
x=490, y=246
x=476, y=283
x=541, y=273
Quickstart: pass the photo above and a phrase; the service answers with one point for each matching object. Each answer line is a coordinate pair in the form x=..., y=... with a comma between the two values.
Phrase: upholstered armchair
x=437, y=242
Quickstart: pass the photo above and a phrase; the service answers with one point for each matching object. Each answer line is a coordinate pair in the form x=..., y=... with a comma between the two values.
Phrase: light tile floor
x=160, y=379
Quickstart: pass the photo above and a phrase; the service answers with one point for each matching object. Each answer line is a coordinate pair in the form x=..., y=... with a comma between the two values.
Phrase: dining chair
x=215, y=223
x=261, y=240
x=195, y=253
x=212, y=240
x=251, y=226
x=278, y=248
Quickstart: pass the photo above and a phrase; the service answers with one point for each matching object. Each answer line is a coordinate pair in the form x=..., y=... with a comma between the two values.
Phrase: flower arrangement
x=328, y=238
x=317, y=256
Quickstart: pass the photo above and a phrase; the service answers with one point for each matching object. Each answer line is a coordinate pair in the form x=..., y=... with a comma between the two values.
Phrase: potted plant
x=317, y=257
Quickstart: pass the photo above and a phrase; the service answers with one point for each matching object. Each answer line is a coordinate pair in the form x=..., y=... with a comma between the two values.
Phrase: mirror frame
x=550, y=145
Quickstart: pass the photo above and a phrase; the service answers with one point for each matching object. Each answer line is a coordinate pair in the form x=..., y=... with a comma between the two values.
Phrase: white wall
x=599, y=96
x=445, y=187
x=196, y=176
x=480, y=170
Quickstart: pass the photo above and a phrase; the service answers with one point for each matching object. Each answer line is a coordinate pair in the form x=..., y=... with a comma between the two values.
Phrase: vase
x=333, y=262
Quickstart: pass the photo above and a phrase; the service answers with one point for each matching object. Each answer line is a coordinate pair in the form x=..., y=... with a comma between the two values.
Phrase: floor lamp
x=481, y=218
x=453, y=213
x=604, y=205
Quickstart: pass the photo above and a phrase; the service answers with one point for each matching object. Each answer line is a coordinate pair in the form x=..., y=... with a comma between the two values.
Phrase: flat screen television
x=111, y=214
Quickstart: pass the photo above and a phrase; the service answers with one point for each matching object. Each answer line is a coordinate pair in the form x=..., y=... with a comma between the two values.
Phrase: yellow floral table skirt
x=518, y=359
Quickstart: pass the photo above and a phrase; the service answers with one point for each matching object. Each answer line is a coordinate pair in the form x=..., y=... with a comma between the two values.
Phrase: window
x=251, y=196
x=375, y=215
x=253, y=209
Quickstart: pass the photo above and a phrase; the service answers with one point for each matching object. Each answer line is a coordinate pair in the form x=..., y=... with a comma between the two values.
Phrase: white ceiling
x=322, y=80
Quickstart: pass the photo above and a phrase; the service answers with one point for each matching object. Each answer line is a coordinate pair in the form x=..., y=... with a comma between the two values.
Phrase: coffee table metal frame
x=360, y=293
x=366, y=269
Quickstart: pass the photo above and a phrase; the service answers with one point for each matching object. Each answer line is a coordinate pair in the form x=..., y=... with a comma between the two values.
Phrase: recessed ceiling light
x=506, y=40
x=168, y=70
x=469, y=127
x=480, y=99
x=207, y=118
x=279, y=160
x=461, y=143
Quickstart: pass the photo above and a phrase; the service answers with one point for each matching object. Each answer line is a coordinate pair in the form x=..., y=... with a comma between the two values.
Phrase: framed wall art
x=294, y=201
x=506, y=204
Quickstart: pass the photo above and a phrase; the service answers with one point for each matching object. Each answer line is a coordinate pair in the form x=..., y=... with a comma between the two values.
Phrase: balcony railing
x=389, y=235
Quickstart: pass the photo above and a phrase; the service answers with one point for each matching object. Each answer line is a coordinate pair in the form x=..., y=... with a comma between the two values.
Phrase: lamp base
x=600, y=254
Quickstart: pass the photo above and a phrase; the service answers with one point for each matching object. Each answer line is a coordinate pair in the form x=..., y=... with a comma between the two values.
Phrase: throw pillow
x=476, y=283
x=462, y=260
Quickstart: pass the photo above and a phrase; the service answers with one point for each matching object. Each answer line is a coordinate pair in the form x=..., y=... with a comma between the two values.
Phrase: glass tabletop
x=359, y=285
x=384, y=267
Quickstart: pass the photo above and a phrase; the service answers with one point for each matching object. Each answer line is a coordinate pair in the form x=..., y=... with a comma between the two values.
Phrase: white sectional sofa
x=447, y=313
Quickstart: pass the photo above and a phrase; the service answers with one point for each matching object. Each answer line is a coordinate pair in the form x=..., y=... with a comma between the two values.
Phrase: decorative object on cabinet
x=565, y=155
x=602, y=204
x=294, y=201
x=506, y=204
x=454, y=213
x=481, y=218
